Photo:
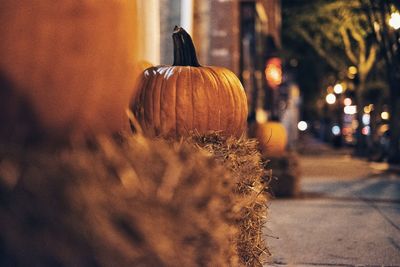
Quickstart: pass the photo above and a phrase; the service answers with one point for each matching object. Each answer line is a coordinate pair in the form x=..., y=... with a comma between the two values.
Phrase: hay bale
x=286, y=174
x=131, y=202
x=242, y=157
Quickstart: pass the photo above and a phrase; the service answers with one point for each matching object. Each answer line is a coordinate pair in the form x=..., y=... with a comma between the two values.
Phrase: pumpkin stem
x=184, y=51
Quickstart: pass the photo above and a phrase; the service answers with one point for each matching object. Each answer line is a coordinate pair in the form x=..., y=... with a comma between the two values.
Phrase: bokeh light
x=302, y=126
x=366, y=130
x=385, y=115
x=352, y=70
x=366, y=118
x=350, y=110
x=394, y=20
x=336, y=130
x=330, y=99
x=273, y=72
x=368, y=109
x=338, y=88
x=347, y=101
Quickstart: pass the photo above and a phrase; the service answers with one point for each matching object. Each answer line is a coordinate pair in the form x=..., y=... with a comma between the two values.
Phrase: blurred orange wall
x=74, y=60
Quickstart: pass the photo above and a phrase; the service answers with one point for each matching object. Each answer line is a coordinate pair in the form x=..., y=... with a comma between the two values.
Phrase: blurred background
x=327, y=69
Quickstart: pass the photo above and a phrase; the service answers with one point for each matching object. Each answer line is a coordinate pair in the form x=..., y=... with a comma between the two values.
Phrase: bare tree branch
x=371, y=58
x=338, y=25
x=347, y=45
x=320, y=51
x=361, y=45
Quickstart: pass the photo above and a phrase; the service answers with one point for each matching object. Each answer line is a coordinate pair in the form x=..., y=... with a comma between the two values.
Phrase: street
x=348, y=214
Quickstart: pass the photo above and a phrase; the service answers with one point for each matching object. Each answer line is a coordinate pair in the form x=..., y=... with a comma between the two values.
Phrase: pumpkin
x=272, y=138
x=73, y=61
x=186, y=97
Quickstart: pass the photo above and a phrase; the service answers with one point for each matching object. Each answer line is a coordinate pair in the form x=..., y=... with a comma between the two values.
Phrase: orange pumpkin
x=73, y=61
x=272, y=138
x=174, y=100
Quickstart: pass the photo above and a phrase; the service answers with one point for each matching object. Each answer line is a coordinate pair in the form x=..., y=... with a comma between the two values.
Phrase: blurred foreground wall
x=74, y=62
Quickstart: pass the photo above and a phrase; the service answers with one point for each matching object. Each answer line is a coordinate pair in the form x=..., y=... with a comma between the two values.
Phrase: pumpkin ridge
x=204, y=108
x=180, y=101
x=148, y=103
x=224, y=123
x=164, y=82
x=238, y=107
x=166, y=107
x=174, y=90
x=208, y=101
x=140, y=106
x=157, y=102
x=147, y=118
x=214, y=99
x=198, y=104
x=242, y=113
x=176, y=101
x=232, y=100
x=191, y=92
x=217, y=83
x=245, y=105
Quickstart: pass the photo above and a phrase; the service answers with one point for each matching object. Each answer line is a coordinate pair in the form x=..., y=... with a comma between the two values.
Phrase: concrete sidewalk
x=348, y=215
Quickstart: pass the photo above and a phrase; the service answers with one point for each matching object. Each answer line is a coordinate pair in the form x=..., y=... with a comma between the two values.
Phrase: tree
x=378, y=13
x=338, y=31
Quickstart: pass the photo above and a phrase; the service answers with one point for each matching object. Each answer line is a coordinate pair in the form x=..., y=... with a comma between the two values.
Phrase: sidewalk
x=312, y=146
x=348, y=214
x=309, y=145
